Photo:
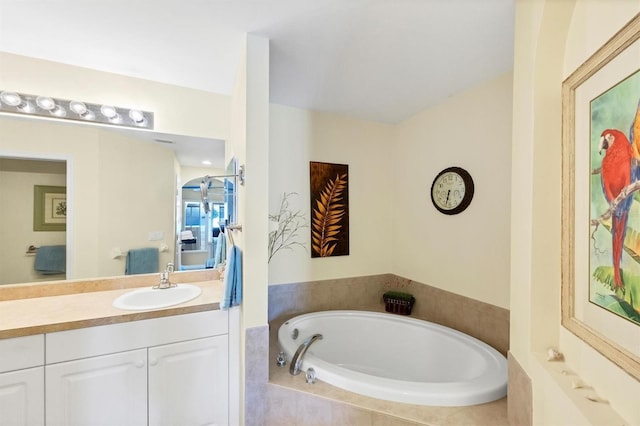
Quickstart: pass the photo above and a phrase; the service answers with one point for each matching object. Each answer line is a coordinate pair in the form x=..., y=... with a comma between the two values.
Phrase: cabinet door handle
x=153, y=361
x=140, y=364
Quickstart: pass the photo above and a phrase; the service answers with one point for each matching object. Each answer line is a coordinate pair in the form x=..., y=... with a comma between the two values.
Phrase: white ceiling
x=381, y=60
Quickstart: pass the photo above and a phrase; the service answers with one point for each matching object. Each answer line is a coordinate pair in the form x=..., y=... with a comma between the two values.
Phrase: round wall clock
x=452, y=190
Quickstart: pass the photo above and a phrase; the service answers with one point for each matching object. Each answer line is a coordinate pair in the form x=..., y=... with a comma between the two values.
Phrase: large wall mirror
x=122, y=190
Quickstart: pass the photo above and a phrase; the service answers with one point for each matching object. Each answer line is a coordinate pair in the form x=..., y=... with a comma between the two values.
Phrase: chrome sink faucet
x=296, y=362
x=164, y=278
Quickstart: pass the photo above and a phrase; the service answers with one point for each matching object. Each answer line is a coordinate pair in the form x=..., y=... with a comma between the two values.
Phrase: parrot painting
x=634, y=139
x=616, y=174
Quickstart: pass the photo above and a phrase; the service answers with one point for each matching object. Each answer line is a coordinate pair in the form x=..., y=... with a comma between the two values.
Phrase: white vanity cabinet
x=170, y=370
x=22, y=397
x=22, y=381
x=100, y=391
x=188, y=383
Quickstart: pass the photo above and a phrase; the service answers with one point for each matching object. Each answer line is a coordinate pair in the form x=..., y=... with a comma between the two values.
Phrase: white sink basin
x=154, y=298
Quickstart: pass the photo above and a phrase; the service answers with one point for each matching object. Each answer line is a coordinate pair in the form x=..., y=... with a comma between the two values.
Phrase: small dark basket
x=398, y=305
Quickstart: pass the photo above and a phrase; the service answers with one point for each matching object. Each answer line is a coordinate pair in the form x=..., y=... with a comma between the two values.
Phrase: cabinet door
x=189, y=383
x=22, y=397
x=106, y=390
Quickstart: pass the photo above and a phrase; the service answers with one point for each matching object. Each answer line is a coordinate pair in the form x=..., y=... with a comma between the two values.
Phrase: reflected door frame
x=47, y=156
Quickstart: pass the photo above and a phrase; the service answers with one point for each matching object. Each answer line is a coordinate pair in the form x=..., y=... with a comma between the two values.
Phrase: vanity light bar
x=44, y=106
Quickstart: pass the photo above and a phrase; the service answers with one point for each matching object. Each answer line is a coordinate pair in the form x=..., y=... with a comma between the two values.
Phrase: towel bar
x=116, y=252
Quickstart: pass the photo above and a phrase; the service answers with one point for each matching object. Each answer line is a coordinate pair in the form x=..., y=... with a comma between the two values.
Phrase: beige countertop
x=44, y=308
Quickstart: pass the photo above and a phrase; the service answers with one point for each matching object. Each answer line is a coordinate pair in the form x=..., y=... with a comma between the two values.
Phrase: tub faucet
x=296, y=361
x=164, y=278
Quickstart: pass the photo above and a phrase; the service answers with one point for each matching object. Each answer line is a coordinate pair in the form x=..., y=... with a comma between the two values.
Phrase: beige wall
x=299, y=136
x=393, y=226
x=467, y=254
x=552, y=39
x=131, y=206
x=177, y=110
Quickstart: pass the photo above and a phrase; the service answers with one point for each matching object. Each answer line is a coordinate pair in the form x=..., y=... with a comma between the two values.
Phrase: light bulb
x=49, y=104
x=137, y=116
x=81, y=109
x=78, y=107
x=109, y=112
x=15, y=100
x=10, y=98
x=46, y=103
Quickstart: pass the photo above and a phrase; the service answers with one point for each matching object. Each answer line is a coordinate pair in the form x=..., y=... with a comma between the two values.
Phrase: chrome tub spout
x=296, y=362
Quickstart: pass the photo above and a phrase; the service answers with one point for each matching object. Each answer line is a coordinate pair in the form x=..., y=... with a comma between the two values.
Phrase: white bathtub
x=397, y=358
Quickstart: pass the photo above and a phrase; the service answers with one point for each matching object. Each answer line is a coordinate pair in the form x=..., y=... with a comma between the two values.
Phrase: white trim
x=234, y=366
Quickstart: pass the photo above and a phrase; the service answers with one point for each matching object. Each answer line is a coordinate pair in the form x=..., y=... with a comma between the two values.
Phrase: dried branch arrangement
x=289, y=224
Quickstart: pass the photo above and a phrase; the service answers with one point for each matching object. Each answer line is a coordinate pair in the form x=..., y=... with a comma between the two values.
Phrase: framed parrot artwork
x=601, y=200
x=615, y=200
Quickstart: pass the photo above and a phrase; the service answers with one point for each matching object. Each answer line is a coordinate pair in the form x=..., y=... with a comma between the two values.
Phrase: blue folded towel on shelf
x=142, y=261
x=233, y=279
x=51, y=260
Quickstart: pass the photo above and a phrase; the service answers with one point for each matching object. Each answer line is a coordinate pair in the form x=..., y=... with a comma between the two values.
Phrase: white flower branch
x=289, y=224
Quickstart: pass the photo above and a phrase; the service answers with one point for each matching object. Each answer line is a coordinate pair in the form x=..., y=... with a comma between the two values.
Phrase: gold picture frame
x=49, y=208
x=606, y=332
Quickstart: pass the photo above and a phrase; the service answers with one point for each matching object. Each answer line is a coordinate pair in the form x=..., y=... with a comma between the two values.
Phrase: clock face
x=452, y=190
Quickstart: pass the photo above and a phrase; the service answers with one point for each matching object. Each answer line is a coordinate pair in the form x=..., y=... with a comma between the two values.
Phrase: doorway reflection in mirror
x=208, y=205
x=18, y=177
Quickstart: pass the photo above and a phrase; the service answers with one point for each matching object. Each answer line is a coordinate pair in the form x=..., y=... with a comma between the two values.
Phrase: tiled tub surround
x=520, y=396
x=483, y=321
x=290, y=400
x=256, y=369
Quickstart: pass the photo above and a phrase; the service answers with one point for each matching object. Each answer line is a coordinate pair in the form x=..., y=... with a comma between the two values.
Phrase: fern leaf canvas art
x=329, y=189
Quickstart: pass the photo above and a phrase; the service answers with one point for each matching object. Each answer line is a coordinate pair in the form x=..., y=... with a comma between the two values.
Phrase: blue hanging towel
x=220, y=256
x=233, y=279
x=51, y=260
x=142, y=261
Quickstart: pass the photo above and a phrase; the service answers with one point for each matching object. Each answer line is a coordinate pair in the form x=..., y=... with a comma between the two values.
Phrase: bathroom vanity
x=63, y=366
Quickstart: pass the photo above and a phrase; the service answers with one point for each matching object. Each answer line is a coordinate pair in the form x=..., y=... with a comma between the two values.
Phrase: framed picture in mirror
x=49, y=208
